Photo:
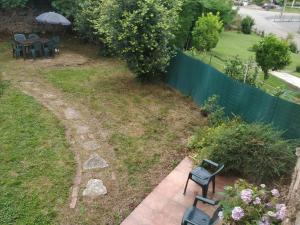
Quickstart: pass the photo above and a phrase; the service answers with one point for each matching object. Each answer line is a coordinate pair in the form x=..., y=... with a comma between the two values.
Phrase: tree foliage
x=7, y=4
x=140, y=31
x=247, y=24
x=272, y=53
x=246, y=72
x=206, y=32
x=193, y=9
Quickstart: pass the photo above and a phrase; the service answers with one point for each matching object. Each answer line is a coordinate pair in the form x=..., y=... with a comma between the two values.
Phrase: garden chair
x=33, y=36
x=204, y=174
x=19, y=37
x=16, y=49
x=49, y=49
x=195, y=216
x=36, y=49
x=56, y=42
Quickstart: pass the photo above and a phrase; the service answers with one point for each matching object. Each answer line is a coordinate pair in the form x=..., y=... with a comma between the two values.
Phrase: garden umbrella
x=53, y=18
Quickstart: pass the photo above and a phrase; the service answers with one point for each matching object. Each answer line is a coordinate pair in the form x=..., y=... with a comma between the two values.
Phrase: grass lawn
x=148, y=126
x=233, y=43
x=36, y=166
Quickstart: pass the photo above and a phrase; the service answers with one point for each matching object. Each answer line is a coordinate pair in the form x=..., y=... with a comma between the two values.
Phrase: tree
x=247, y=24
x=272, y=53
x=12, y=3
x=206, y=32
x=245, y=72
x=141, y=32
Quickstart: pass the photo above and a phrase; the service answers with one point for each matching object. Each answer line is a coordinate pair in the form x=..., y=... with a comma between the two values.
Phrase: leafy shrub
x=259, y=2
x=247, y=24
x=206, y=32
x=214, y=112
x=246, y=72
x=141, y=32
x=245, y=203
x=272, y=53
x=293, y=47
x=298, y=68
x=5, y=4
x=254, y=151
x=191, y=10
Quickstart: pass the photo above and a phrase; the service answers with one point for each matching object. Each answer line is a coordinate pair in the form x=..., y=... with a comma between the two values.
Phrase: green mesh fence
x=200, y=81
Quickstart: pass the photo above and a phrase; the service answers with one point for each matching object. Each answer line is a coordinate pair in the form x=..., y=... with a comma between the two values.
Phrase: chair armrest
x=205, y=200
x=188, y=221
x=211, y=162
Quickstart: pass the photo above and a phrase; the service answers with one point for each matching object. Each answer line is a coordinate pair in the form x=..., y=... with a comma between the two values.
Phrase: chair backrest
x=56, y=41
x=33, y=36
x=213, y=167
x=19, y=37
x=37, y=45
x=215, y=218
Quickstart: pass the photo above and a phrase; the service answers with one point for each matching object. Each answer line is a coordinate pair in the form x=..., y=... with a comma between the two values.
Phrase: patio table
x=29, y=42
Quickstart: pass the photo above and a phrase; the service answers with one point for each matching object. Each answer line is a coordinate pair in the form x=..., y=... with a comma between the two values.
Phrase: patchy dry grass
x=148, y=125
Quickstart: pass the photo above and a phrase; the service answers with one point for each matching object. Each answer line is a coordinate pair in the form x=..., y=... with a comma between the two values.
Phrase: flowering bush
x=249, y=204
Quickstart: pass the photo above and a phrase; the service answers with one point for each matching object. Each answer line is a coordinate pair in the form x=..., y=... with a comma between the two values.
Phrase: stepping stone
x=58, y=103
x=82, y=129
x=71, y=114
x=95, y=162
x=94, y=188
x=90, y=145
x=48, y=95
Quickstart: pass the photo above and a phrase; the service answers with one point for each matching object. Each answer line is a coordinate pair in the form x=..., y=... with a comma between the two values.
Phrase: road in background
x=264, y=21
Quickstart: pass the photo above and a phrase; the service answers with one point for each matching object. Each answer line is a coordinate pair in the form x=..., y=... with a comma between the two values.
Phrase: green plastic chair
x=195, y=216
x=19, y=37
x=16, y=49
x=49, y=49
x=33, y=36
x=56, y=42
x=204, y=174
x=36, y=49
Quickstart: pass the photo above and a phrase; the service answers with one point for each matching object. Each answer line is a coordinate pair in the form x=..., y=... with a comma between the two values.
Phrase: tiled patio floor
x=166, y=204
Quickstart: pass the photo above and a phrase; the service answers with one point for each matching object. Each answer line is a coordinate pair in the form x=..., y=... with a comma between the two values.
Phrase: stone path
x=87, y=138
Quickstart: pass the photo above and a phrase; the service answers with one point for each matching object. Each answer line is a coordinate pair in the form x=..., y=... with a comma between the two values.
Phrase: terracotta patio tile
x=166, y=204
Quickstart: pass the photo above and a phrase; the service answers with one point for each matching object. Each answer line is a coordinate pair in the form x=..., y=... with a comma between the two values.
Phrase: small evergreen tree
x=206, y=32
x=247, y=24
x=272, y=53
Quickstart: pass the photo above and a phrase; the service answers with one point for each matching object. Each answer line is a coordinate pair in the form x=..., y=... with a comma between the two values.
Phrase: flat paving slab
x=166, y=204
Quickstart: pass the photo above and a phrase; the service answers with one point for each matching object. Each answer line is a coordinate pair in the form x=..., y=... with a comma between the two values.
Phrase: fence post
x=293, y=203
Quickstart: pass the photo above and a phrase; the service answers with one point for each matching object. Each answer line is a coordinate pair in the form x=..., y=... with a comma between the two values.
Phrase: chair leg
x=187, y=181
x=214, y=184
x=204, y=191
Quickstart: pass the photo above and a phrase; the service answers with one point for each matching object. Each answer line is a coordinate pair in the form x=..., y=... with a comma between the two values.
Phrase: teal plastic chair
x=16, y=49
x=204, y=174
x=19, y=37
x=49, y=49
x=56, y=43
x=33, y=36
x=195, y=216
x=36, y=49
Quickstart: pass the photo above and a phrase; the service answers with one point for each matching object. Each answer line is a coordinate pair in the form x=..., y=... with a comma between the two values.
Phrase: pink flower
x=257, y=201
x=246, y=195
x=237, y=213
x=275, y=193
x=264, y=221
x=220, y=215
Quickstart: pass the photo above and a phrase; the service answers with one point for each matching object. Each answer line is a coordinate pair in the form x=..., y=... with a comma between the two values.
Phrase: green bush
x=246, y=72
x=141, y=32
x=213, y=111
x=254, y=151
x=259, y=2
x=206, y=32
x=293, y=47
x=272, y=53
x=5, y=4
x=191, y=10
x=298, y=68
x=247, y=24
